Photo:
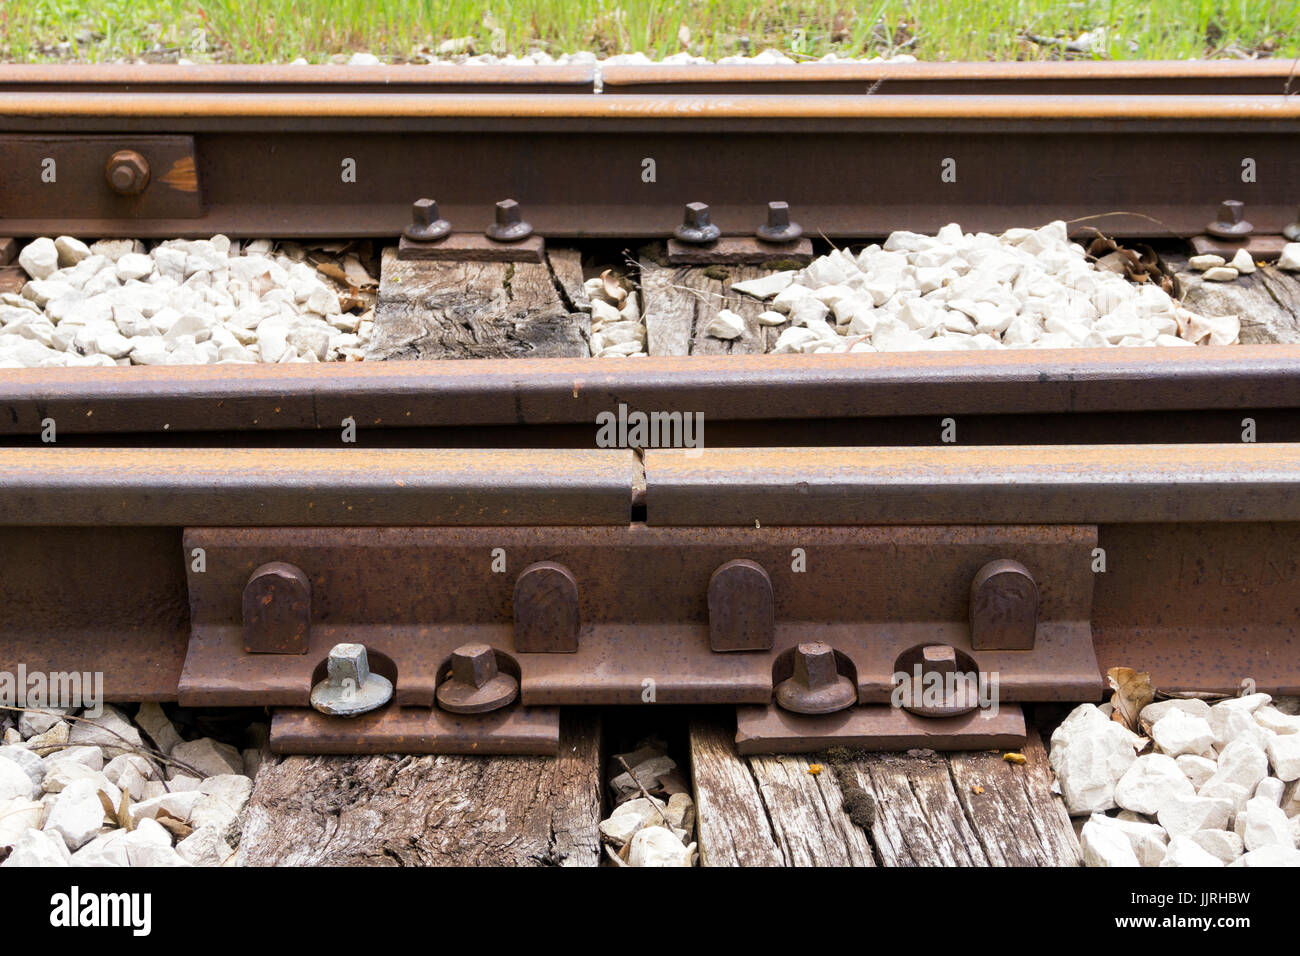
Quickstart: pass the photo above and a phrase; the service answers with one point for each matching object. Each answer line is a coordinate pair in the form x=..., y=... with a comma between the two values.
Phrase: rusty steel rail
x=1162, y=77
x=1096, y=484
x=339, y=486
x=1005, y=397
x=224, y=159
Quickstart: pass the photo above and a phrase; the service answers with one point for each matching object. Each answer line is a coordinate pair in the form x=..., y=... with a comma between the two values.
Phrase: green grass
x=279, y=30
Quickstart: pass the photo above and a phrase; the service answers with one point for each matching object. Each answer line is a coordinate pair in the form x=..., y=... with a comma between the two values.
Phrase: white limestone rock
x=1241, y=762
x=1273, y=720
x=31, y=764
x=1106, y=846
x=1290, y=257
x=205, y=847
x=1147, y=840
x=632, y=816
x=1196, y=768
x=1220, y=274
x=1152, y=781
x=1185, y=815
x=33, y=722
x=1242, y=262
x=1222, y=844
x=77, y=814
x=1270, y=789
x=765, y=287
x=1207, y=261
x=1284, y=754
x=1184, y=851
x=1270, y=856
x=1263, y=824
x=1178, y=733
x=154, y=722
x=111, y=732
x=39, y=258
x=1089, y=754
x=39, y=848
x=70, y=251
x=656, y=846
x=210, y=757
x=15, y=783
x=222, y=801
x=17, y=817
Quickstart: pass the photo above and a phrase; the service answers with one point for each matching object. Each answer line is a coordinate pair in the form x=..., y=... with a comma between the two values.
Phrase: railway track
x=213, y=535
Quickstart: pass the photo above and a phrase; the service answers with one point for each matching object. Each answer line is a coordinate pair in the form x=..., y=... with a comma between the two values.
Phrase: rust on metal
x=277, y=610
x=414, y=595
x=476, y=684
x=816, y=686
x=471, y=247
x=127, y=172
x=1037, y=78
x=547, y=619
x=771, y=730
x=952, y=484
x=740, y=607
x=938, y=680
x=243, y=487
x=426, y=225
x=1231, y=222
x=1260, y=248
x=1003, y=607
x=1063, y=384
x=417, y=730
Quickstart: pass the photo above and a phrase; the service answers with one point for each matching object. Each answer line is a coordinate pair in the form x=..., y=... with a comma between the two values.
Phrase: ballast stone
x=1284, y=755
x=1184, y=851
x=1178, y=733
x=1089, y=755
x=39, y=848
x=77, y=814
x=1184, y=815
x=1106, y=846
x=1152, y=781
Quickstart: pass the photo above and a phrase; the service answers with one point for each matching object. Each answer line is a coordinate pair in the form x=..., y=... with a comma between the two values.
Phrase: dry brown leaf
x=613, y=287
x=1133, y=691
x=332, y=270
x=357, y=274
x=173, y=825
x=124, y=813
x=109, y=811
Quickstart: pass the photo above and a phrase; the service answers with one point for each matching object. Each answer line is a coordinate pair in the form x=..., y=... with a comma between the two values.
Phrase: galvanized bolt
x=1231, y=223
x=696, y=226
x=476, y=684
x=1292, y=230
x=817, y=686
x=351, y=687
x=509, y=225
x=127, y=172
x=778, y=227
x=425, y=225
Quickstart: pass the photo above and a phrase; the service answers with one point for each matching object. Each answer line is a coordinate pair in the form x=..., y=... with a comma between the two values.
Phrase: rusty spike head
x=817, y=686
x=426, y=225
x=476, y=684
x=1231, y=222
x=778, y=227
x=509, y=225
x=938, y=659
x=697, y=225
x=474, y=664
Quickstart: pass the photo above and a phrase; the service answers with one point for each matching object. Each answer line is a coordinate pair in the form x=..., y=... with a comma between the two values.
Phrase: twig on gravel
x=645, y=793
x=157, y=757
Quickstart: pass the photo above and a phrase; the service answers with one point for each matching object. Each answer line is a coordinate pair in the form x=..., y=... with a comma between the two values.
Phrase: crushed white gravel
x=1027, y=288
x=183, y=302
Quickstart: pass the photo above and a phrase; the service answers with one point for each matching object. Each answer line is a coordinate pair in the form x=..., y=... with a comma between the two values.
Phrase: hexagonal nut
x=127, y=172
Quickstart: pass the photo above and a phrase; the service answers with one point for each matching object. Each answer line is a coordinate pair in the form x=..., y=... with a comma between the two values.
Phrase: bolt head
x=814, y=665
x=473, y=664
x=1231, y=222
x=697, y=215
x=426, y=226
x=509, y=225
x=1232, y=210
x=424, y=211
x=778, y=214
x=348, y=662
x=127, y=172
x=938, y=658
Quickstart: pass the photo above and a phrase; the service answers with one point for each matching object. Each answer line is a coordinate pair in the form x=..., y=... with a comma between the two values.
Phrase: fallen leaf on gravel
x=1133, y=691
